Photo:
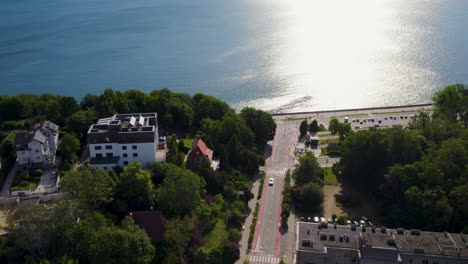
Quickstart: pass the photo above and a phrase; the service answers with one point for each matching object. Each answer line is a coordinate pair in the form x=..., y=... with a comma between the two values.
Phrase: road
x=267, y=244
x=267, y=240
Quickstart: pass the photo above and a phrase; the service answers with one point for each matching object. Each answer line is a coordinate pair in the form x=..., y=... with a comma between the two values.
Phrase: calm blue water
x=267, y=53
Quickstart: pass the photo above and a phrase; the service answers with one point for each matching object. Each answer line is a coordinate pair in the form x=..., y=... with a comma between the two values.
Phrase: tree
x=177, y=236
x=303, y=127
x=343, y=130
x=311, y=196
x=79, y=122
x=93, y=186
x=69, y=147
x=180, y=192
x=451, y=101
x=308, y=170
x=128, y=244
x=333, y=125
x=135, y=190
x=314, y=127
x=261, y=123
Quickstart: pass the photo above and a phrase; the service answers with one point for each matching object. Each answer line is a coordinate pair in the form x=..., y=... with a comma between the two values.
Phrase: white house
x=122, y=139
x=36, y=148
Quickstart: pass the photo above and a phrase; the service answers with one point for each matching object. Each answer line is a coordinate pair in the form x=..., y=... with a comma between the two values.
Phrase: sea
x=276, y=55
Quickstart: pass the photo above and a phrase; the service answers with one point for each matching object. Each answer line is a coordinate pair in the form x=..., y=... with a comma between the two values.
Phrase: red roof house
x=199, y=149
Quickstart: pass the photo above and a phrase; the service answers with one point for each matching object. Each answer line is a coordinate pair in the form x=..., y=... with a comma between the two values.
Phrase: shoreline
x=353, y=109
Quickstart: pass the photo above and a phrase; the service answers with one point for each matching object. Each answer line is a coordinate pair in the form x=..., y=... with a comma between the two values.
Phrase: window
x=125, y=162
x=108, y=146
x=124, y=147
x=125, y=155
x=134, y=147
x=97, y=147
x=109, y=155
x=99, y=155
x=135, y=154
x=37, y=151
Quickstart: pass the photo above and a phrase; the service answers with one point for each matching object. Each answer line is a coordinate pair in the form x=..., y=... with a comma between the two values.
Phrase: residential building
x=37, y=148
x=153, y=222
x=122, y=139
x=337, y=244
x=199, y=149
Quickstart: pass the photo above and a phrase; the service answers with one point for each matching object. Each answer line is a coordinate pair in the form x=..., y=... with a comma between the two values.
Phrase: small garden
x=26, y=180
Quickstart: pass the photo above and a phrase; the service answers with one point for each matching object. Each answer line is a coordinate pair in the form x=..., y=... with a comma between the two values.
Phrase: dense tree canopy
x=91, y=185
x=261, y=123
x=308, y=170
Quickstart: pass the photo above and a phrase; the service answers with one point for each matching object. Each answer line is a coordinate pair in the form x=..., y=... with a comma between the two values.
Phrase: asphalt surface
x=267, y=239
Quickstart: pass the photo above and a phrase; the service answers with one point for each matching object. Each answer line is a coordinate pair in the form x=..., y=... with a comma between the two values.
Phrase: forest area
x=203, y=209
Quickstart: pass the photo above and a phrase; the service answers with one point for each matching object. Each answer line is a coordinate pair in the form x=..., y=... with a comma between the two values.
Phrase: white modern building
x=36, y=148
x=124, y=138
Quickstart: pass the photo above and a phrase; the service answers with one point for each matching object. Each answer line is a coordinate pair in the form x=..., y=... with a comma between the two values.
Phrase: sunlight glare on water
x=350, y=54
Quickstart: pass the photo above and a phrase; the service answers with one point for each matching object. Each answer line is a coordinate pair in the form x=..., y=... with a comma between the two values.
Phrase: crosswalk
x=272, y=172
x=264, y=259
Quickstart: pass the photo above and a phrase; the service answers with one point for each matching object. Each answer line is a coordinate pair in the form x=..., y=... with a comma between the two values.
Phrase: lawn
x=330, y=177
x=187, y=142
x=24, y=180
x=217, y=236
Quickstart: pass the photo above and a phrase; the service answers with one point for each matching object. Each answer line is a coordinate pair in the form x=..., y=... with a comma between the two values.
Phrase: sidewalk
x=243, y=243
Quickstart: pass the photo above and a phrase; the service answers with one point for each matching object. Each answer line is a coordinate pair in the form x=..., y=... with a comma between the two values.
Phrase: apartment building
x=36, y=148
x=322, y=243
x=124, y=138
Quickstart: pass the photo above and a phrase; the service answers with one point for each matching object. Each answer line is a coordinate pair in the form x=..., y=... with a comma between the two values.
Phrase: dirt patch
x=329, y=205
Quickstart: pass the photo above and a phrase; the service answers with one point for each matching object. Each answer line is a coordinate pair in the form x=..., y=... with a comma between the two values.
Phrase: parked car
x=363, y=223
x=323, y=219
x=348, y=222
x=53, y=175
x=316, y=219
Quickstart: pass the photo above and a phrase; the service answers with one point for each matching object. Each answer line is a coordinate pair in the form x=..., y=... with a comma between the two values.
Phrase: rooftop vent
x=400, y=231
x=391, y=242
x=415, y=232
x=306, y=243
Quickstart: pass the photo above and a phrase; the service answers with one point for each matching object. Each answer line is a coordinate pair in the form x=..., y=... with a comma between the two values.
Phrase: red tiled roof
x=203, y=147
x=152, y=222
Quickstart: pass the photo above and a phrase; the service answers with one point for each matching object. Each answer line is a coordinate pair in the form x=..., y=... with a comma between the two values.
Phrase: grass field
x=330, y=178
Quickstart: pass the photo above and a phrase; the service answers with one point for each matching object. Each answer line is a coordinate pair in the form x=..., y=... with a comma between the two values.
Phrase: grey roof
x=39, y=136
x=381, y=243
x=22, y=138
x=124, y=128
x=319, y=238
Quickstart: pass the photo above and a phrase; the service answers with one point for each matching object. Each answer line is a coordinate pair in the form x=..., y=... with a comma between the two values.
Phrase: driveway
x=47, y=183
x=8, y=181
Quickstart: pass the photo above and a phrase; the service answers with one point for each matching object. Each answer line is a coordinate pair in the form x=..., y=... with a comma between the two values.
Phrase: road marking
x=264, y=259
x=276, y=172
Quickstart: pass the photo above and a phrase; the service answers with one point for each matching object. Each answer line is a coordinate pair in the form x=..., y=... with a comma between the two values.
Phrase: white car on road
x=271, y=181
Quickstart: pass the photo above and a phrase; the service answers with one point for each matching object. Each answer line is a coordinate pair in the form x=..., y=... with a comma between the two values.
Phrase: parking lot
x=380, y=120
